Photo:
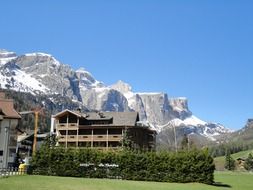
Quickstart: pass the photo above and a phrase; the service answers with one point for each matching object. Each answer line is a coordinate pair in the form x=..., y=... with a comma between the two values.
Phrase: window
x=12, y=152
x=62, y=132
x=72, y=132
x=115, y=131
x=1, y=153
x=63, y=119
x=85, y=131
x=83, y=121
x=100, y=132
x=72, y=118
x=13, y=141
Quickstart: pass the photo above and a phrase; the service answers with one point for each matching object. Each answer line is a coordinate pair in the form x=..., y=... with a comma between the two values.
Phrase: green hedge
x=190, y=166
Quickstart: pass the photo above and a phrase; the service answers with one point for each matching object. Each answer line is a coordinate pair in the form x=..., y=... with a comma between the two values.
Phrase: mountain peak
x=179, y=104
x=122, y=87
x=82, y=70
x=87, y=81
x=39, y=57
x=38, y=54
x=4, y=51
x=6, y=56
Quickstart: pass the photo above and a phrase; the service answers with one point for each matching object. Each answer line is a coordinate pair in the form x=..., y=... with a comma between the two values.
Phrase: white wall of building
x=8, y=141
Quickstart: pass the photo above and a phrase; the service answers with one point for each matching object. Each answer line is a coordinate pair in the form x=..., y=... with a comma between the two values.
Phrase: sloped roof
x=66, y=111
x=7, y=110
x=24, y=136
x=30, y=136
x=118, y=118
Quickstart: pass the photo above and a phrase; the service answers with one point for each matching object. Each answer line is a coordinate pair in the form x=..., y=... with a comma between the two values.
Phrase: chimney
x=101, y=115
x=79, y=110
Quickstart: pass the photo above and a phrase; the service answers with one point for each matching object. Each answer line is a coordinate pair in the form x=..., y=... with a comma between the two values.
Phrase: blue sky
x=202, y=50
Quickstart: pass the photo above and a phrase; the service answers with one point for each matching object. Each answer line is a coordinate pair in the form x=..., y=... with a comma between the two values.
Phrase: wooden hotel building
x=102, y=130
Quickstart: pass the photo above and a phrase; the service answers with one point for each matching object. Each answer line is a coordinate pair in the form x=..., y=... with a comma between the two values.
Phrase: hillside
x=220, y=161
x=243, y=135
x=51, y=105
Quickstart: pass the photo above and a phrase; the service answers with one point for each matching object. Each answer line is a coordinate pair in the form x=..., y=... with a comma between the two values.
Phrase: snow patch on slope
x=130, y=96
x=6, y=56
x=39, y=54
x=6, y=60
x=193, y=120
x=197, y=126
x=148, y=93
x=126, y=90
x=21, y=81
x=87, y=81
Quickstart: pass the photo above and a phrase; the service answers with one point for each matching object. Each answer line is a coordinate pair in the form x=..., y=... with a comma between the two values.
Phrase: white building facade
x=8, y=134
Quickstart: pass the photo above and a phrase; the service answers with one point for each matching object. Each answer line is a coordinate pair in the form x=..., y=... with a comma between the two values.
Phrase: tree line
x=233, y=147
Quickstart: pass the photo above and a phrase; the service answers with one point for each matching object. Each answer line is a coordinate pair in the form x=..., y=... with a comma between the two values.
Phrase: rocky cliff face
x=180, y=107
x=104, y=99
x=40, y=73
x=157, y=108
x=58, y=78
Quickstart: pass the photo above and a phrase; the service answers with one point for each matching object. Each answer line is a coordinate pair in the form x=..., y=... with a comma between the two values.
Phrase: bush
x=190, y=166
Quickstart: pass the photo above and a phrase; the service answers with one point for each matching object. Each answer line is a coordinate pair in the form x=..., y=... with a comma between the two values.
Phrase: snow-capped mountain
x=87, y=81
x=165, y=113
x=11, y=76
x=196, y=125
x=6, y=56
x=40, y=73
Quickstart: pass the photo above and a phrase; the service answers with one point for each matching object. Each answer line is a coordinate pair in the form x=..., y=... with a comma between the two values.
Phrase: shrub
x=190, y=166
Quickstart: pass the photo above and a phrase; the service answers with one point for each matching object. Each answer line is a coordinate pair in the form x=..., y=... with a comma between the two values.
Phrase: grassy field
x=220, y=161
x=242, y=154
x=224, y=180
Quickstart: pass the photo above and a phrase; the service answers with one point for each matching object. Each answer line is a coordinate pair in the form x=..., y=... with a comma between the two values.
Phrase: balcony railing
x=61, y=138
x=115, y=137
x=84, y=138
x=89, y=138
x=72, y=138
x=64, y=126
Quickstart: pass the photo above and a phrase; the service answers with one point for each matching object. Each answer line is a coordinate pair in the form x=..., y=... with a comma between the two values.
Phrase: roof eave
x=64, y=111
x=11, y=117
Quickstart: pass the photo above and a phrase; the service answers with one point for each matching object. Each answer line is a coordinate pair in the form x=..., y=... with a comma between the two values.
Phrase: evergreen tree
x=229, y=161
x=184, y=143
x=248, y=165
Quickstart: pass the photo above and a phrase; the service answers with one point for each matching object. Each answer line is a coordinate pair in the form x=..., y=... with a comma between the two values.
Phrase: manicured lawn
x=236, y=180
x=225, y=180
